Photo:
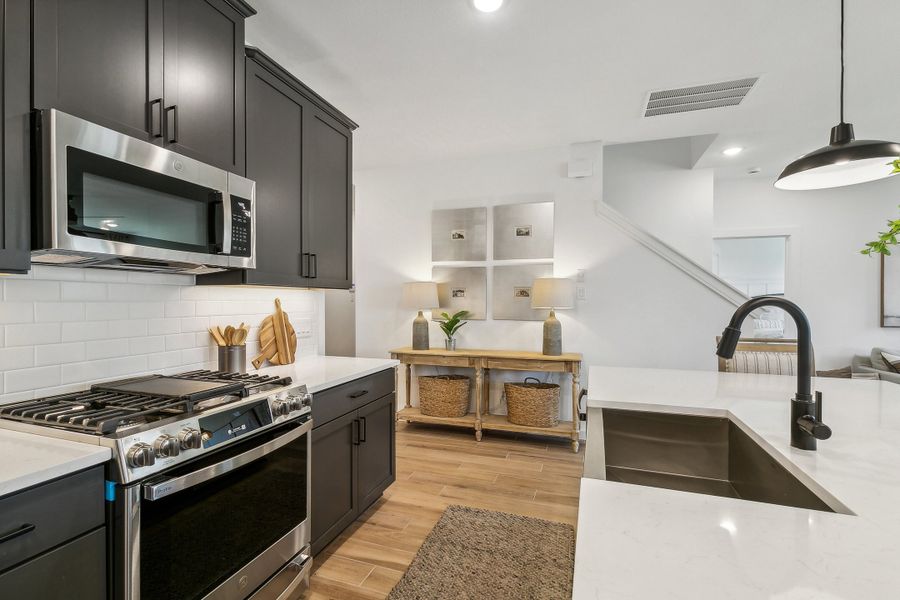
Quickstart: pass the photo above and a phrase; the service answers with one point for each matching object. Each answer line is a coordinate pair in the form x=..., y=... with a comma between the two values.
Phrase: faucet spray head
x=728, y=342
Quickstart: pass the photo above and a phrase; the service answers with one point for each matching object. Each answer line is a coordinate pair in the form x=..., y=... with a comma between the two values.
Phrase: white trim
x=670, y=254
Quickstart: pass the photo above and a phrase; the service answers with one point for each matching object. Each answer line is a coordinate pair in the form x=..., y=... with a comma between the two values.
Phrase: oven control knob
x=297, y=402
x=140, y=455
x=166, y=446
x=280, y=408
x=191, y=439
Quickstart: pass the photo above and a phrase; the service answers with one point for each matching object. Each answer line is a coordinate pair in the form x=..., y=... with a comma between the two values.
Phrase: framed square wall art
x=890, y=291
x=459, y=234
x=523, y=231
x=461, y=288
x=512, y=291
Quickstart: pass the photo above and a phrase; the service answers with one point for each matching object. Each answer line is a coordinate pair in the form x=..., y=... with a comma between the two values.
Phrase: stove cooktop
x=117, y=406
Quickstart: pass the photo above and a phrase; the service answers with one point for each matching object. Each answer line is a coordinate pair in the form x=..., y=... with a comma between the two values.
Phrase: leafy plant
x=885, y=238
x=451, y=324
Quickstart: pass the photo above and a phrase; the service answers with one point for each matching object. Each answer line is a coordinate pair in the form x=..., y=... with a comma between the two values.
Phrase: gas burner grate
x=250, y=381
x=93, y=412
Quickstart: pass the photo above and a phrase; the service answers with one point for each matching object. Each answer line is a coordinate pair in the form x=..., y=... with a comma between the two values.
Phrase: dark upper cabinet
x=203, y=85
x=328, y=205
x=299, y=153
x=15, y=104
x=99, y=60
x=166, y=71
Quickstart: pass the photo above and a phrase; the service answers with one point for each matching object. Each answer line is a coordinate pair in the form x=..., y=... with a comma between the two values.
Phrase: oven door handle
x=167, y=487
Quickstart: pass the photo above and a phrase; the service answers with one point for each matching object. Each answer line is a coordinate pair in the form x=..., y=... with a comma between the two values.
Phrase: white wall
x=837, y=287
x=654, y=185
x=640, y=311
x=62, y=329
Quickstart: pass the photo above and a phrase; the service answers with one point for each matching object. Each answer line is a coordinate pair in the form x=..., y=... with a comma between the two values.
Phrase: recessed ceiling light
x=732, y=151
x=487, y=6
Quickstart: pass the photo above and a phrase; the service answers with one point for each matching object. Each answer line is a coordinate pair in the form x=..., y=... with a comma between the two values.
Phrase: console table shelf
x=482, y=362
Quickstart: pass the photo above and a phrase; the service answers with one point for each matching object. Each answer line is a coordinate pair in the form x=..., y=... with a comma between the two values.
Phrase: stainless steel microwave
x=109, y=200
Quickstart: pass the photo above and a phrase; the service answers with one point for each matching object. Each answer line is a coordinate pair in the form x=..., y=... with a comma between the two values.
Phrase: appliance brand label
x=237, y=429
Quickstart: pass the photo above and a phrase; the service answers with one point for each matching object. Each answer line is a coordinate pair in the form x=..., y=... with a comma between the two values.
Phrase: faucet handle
x=818, y=409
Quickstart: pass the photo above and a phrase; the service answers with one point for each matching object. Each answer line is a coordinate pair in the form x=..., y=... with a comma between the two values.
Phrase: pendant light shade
x=845, y=160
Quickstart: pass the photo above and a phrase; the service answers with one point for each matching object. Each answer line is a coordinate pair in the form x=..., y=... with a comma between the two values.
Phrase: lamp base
x=420, y=332
x=552, y=336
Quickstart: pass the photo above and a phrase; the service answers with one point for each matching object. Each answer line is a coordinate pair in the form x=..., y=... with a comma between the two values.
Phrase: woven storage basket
x=444, y=395
x=532, y=404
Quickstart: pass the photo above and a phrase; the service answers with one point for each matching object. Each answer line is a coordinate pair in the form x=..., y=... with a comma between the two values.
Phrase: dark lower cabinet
x=15, y=105
x=53, y=539
x=353, y=457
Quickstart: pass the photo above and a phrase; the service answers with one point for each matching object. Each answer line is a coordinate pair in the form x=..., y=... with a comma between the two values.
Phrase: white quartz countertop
x=323, y=372
x=638, y=542
x=27, y=459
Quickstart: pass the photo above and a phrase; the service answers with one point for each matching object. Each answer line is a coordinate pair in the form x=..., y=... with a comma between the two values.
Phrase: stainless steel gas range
x=208, y=493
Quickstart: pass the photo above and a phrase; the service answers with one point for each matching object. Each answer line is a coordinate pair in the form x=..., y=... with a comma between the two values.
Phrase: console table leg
x=479, y=398
x=576, y=389
x=408, y=369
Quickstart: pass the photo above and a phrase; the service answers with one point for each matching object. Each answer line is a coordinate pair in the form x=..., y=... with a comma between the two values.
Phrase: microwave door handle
x=227, y=222
x=172, y=485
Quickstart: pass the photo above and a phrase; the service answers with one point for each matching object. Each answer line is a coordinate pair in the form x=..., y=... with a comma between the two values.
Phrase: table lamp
x=552, y=293
x=420, y=295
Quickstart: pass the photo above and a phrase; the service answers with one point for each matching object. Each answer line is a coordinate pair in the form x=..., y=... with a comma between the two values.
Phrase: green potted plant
x=885, y=238
x=450, y=325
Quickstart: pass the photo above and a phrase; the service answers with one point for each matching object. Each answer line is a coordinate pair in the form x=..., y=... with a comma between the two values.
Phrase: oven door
x=114, y=195
x=222, y=526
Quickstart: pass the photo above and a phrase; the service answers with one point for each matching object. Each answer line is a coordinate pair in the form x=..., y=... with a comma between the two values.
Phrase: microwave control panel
x=241, y=221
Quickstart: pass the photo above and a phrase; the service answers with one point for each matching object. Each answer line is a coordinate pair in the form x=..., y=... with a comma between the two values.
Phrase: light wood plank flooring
x=436, y=467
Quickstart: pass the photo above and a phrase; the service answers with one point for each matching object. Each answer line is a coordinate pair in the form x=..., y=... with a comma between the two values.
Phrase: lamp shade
x=553, y=292
x=420, y=295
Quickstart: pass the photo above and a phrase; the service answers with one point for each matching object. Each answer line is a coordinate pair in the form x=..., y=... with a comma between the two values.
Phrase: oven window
x=193, y=540
x=109, y=199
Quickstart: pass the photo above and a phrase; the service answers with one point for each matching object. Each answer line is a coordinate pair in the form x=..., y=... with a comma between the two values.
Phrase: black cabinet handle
x=173, y=131
x=11, y=535
x=355, y=432
x=304, y=264
x=315, y=266
x=156, y=118
x=359, y=394
x=362, y=435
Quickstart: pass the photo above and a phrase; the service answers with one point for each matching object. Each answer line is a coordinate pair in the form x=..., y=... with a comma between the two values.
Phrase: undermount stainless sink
x=705, y=455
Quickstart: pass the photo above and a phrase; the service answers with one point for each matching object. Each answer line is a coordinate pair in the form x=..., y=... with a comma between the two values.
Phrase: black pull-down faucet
x=806, y=412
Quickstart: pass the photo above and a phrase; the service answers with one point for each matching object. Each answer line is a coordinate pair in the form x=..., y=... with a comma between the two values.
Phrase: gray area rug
x=474, y=553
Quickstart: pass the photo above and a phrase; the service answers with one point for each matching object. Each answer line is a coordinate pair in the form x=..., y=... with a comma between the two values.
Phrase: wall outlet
x=581, y=292
x=304, y=328
x=579, y=276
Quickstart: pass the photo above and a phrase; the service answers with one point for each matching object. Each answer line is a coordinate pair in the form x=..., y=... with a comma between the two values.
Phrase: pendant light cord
x=842, y=61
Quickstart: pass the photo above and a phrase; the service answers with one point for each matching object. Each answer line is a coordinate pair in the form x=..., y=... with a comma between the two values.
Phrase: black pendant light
x=845, y=160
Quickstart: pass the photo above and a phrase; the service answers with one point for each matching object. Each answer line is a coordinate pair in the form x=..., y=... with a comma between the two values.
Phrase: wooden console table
x=482, y=361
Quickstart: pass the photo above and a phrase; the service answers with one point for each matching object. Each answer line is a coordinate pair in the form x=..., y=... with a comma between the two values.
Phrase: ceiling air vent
x=699, y=97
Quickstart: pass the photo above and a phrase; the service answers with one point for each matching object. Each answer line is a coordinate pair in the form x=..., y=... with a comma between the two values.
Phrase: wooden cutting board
x=268, y=339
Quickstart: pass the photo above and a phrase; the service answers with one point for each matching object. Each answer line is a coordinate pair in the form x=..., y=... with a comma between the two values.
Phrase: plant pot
x=450, y=344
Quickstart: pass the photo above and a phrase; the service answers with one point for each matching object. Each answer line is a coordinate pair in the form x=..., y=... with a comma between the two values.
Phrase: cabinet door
x=274, y=161
x=204, y=81
x=101, y=61
x=15, y=101
x=327, y=206
x=377, y=456
x=334, y=488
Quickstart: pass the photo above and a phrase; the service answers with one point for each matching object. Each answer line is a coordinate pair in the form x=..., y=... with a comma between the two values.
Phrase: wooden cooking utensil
x=217, y=337
x=229, y=333
x=238, y=337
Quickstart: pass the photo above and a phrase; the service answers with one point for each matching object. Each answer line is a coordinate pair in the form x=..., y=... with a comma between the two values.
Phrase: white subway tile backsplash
x=26, y=379
x=16, y=312
x=30, y=289
x=107, y=349
x=62, y=329
x=57, y=354
x=79, y=290
x=58, y=311
x=16, y=358
x=106, y=311
x=32, y=334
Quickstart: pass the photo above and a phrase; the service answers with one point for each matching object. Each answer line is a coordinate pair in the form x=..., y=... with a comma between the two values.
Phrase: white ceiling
x=435, y=79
